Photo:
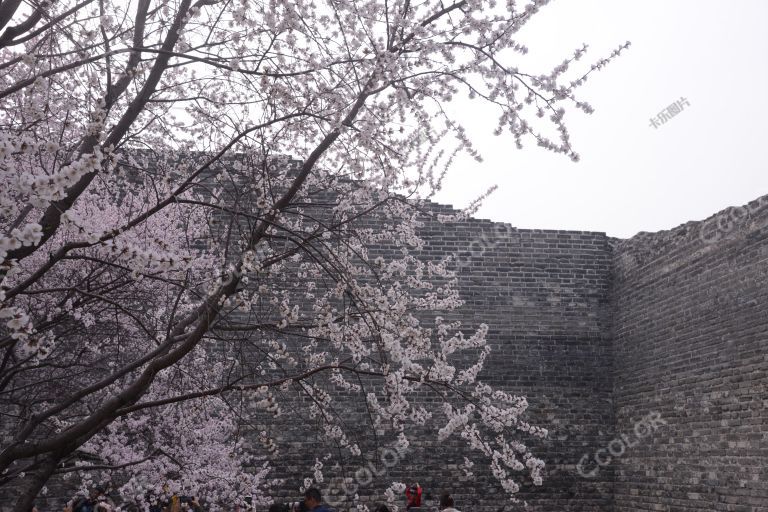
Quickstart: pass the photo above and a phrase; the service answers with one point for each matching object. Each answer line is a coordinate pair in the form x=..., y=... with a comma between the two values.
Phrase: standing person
x=314, y=501
x=413, y=496
x=446, y=503
x=97, y=501
x=81, y=503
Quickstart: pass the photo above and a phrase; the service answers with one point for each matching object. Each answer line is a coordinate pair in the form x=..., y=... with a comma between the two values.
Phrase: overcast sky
x=633, y=177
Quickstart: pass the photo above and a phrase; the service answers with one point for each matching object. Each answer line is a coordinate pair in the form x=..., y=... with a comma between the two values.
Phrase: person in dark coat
x=314, y=501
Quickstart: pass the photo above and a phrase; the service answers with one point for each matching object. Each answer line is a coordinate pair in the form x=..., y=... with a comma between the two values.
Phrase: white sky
x=633, y=177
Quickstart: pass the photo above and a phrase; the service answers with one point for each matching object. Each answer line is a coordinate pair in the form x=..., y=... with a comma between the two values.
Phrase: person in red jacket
x=413, y=495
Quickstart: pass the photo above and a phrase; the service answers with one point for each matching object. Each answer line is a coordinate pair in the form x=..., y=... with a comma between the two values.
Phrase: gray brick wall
x=545, y=296
x=690, y=340
x=647, y=355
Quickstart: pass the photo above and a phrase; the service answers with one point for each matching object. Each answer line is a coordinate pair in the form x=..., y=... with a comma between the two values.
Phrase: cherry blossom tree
x=168, y=273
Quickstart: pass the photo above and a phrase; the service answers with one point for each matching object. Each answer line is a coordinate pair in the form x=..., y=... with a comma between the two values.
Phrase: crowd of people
x=98, y=501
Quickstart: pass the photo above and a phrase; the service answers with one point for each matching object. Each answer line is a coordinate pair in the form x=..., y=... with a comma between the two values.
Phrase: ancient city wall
x=544, y=295
x=679, y=315
x=690, y=324
x=645, y=358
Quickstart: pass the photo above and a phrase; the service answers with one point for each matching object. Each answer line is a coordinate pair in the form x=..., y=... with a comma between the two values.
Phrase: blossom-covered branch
x=170, y=277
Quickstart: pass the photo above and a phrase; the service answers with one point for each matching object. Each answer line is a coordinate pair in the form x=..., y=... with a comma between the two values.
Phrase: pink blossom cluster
x=168, y=276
